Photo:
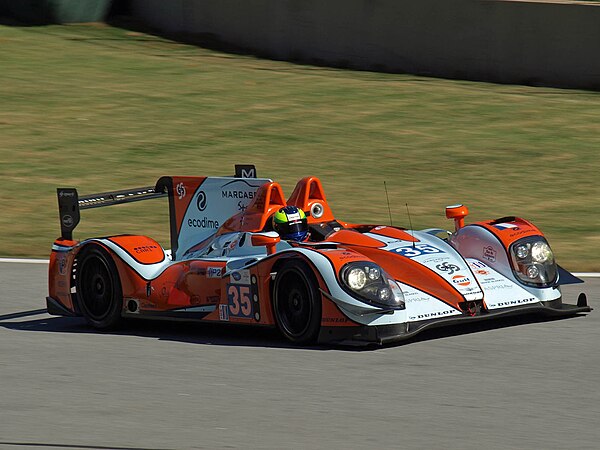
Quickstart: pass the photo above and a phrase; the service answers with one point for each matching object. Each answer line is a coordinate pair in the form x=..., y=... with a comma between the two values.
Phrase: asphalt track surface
x=515, y=384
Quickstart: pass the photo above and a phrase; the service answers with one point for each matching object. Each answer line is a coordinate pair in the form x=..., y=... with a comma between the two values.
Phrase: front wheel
x=98, y=288
x=297, y=303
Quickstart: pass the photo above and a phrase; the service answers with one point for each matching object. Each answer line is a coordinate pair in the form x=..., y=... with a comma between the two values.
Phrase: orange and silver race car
x=348, y=283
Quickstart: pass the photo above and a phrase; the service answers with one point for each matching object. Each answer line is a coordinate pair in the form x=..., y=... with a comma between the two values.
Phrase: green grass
x=103, y=108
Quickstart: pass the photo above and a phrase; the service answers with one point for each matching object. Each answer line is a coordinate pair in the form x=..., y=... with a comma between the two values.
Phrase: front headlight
x=533, y=261
x=540, y=252
x=356, y=278
x=370, y=283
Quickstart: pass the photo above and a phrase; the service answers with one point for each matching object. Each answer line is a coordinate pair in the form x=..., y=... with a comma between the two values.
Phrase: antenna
x=388, y=202
x=412, y=231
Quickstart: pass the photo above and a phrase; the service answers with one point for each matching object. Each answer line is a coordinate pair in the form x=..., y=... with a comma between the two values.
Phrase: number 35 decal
x=240, y=301
x=420, y=249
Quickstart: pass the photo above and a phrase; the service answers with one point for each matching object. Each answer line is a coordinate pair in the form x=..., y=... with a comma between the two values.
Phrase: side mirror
x=269, y=240
x=458, y=213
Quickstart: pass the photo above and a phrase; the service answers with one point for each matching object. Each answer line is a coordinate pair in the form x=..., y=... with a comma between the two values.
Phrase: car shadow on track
x=239, y=335
x=188, y=332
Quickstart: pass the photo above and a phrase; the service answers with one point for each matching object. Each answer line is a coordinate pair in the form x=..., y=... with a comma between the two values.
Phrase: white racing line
x=25, y=261
x=45, y=261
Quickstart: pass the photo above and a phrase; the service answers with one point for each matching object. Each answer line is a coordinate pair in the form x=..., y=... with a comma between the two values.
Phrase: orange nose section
x=458, y=213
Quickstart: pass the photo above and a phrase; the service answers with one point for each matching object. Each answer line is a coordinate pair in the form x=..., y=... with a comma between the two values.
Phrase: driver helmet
x=291, y=224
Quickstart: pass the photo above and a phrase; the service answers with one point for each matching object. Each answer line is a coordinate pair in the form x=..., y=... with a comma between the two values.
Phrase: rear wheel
x=98, y=288
x=297, y=303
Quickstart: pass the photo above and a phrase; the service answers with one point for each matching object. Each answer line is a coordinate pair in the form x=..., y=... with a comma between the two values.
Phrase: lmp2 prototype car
x=349, y=283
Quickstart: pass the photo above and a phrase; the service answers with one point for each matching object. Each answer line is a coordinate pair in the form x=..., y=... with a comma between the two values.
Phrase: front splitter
x=386, y=334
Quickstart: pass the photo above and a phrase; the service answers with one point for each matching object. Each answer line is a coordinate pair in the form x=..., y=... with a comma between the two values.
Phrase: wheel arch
x=303, y=259
x=297, y=301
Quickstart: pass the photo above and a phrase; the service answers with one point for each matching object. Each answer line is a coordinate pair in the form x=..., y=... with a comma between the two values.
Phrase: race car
x=347, y=283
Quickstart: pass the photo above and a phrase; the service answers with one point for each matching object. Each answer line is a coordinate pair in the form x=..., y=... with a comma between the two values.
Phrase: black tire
x=98, y=287
x=297, y=303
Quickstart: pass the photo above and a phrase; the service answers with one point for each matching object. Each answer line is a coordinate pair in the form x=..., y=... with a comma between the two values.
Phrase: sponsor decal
x=62, y=265
x=494, y=287
x=477, y=265
x=239, y=189
x=245, y=171
x=66, y=194
x=506, y=226
x=249, y=173
x=180, y=189
x=416, y=250
x=489, y=253
x=517, y=233
x=145, y=248
x=213, y=272
x=517, y=302
x=415, y=297
x=205, y=222
x=334, y=320
x=224, y=313
x=201, y=201
x=240, y=277
x=433, y=260
x=67, y=220
x=349, y=255
x=471, y=289
x=432, y=315
x=237, y=194
x=445, y=267
x=461, y=280
x=479, y=268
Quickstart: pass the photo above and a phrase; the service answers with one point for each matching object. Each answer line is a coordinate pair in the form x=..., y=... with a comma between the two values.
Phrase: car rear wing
x=70, y=203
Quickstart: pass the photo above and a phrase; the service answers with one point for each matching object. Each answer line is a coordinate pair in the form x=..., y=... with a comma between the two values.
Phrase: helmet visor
x=296, y=229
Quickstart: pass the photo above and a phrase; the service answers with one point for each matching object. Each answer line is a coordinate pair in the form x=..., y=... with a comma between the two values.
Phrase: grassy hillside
x=103, y=108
